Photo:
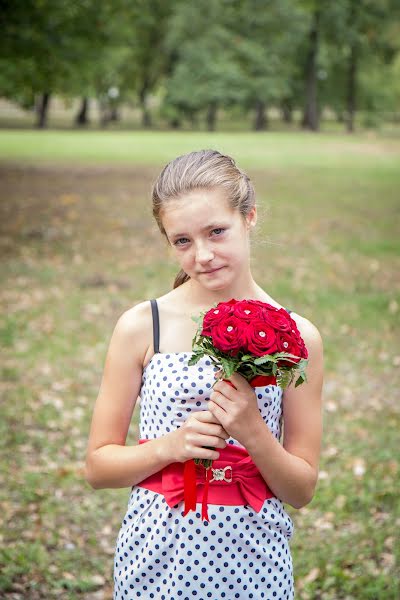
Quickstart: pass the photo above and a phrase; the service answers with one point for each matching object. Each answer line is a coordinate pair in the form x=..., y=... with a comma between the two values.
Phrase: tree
x=311, y=111
x=52, y=47
x=146, y=61
x=204, y=74
x=236, y=52
x=268, y=41
x=362, y=41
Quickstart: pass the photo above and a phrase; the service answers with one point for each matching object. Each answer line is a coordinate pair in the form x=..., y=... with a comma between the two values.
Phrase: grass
x=259, y=150
x=79, y=247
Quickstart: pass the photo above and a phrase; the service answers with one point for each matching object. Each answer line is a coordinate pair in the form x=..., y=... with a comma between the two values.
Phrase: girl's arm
x=109, y=462
x=291, y=469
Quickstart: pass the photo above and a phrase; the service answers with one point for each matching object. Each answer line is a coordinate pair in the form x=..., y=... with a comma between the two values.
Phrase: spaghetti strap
x=156, y=326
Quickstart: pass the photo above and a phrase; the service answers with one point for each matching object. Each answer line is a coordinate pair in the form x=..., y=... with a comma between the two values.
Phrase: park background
x=95, y=99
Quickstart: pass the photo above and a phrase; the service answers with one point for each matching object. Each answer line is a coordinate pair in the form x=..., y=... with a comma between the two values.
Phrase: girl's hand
x=200, y=429
x=236, y=409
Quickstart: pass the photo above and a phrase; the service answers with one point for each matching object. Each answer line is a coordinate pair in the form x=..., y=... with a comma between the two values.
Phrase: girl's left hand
x=236, y=409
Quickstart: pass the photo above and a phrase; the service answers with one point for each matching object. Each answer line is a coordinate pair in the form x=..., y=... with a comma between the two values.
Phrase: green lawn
x=257, y=150
x=79, y=247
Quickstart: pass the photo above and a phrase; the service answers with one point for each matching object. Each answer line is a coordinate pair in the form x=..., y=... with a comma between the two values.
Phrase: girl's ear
x=251, y=217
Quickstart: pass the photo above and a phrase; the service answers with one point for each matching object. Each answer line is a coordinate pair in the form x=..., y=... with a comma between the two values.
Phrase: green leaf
x=194, y=359
x=263, y=359
x=228, y=367
x=283, y=378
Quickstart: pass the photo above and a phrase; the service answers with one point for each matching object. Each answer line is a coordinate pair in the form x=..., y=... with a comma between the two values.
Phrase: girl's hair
x=202, y=169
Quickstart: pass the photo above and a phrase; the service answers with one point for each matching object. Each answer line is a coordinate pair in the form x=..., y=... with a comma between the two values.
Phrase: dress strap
x=156, y=326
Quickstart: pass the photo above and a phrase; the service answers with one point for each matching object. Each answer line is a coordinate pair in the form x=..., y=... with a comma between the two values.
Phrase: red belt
x=233, y=479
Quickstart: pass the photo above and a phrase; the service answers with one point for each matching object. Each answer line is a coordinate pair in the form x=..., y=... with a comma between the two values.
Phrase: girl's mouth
x=212, y=271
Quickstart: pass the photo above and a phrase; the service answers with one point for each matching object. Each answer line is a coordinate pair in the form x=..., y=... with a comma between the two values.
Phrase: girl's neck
x=196, y=295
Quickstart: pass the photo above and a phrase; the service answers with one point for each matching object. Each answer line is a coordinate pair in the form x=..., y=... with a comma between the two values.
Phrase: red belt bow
x=233, y=479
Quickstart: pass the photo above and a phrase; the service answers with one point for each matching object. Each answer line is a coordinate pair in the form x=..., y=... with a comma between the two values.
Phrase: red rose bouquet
x=254, y=338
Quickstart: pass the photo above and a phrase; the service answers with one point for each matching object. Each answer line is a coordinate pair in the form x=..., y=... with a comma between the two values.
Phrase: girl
x=205, y=207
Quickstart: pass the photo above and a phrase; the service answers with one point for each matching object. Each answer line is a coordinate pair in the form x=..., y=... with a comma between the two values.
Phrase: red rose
x=287, y=342
x=259, y=303
x=214, y=316
x=303, y=349
x=278, y=318
x=230, y=302
x=229, y=335
x=296, y=333
x=247, y=310
x=261, y=338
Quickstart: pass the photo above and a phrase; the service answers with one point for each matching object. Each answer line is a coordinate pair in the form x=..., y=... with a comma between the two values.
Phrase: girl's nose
x=204, y=254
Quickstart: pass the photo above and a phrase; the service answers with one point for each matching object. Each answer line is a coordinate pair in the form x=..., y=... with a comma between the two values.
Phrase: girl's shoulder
x=135, y=326
x=137, y=317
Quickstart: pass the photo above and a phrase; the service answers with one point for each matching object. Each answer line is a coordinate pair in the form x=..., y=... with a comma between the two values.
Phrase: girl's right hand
x=200, y=429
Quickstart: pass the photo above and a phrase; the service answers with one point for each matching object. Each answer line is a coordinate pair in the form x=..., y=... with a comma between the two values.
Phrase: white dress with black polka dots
x=162, y=554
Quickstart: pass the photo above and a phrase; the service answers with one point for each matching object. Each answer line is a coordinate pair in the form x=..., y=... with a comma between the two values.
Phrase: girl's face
x=209, y=238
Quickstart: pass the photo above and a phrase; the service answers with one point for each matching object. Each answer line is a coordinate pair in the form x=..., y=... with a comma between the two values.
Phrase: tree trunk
x=194, y=119
x=175, y=123
x=339, y=116
x=351, y=75
x=261, y=119
x=287, y=110
x=81, y=118
x=211, y=116
x=351, y=89
x=42, y=110
x=114, y=114
x=146, y=117
x=310, y=116
x=103, y=112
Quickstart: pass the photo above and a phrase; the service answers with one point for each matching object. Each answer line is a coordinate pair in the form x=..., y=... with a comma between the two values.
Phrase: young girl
x=205, y=207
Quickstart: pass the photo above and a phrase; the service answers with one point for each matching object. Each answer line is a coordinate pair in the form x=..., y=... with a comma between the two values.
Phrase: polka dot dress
x=162, y=554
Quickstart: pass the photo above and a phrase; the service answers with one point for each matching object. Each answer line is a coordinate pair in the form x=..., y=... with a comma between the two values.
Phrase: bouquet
x=254, y=338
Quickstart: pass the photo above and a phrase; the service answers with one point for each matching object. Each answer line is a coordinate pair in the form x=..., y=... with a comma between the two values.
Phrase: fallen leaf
x=312, y=575
x=359, y=467
x=97, y=580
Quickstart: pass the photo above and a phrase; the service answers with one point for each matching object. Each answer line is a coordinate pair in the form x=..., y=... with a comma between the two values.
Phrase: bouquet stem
x=206, y=462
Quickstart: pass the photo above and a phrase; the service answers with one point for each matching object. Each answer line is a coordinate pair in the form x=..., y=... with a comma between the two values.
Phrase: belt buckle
x=220, y=474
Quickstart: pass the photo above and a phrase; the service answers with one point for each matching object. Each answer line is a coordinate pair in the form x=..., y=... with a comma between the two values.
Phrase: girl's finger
x=240, y=383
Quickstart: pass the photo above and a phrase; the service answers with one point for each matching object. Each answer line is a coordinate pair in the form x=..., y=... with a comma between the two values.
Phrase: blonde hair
x=202, y=169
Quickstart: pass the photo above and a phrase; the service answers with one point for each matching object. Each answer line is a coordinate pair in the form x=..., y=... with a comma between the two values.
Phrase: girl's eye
x=182, y=241
x=177, y=242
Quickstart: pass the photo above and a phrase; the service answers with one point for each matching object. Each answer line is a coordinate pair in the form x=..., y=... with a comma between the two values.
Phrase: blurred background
x=96, y=97
x=243, y=65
